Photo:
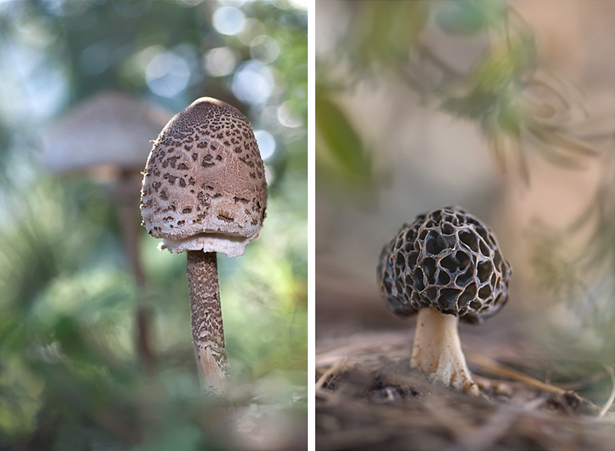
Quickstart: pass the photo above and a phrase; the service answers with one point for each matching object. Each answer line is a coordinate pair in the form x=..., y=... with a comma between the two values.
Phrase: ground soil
x=367, y=398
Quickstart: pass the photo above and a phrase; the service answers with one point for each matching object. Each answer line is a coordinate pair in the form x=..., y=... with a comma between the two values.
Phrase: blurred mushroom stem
x=128, y=193
x=207, y=328
x=437, y=351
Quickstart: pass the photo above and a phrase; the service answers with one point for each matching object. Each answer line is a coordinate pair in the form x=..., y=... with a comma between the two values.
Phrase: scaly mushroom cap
x=204, y=186
x=446, y=259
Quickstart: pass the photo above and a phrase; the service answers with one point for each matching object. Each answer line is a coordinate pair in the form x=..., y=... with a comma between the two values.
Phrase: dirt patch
x=367, y=398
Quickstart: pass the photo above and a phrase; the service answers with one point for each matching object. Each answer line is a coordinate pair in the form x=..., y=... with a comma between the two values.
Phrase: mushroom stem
x=127, y=198
x=206, y=313
x=437, y=351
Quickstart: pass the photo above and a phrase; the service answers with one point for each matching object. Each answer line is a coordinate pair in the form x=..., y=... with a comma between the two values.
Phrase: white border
x=311, y=393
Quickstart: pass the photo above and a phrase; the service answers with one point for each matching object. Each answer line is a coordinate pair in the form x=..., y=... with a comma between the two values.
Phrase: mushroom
x=204, y=192
x=110, y=130
x=445, y=266
x=108, y=136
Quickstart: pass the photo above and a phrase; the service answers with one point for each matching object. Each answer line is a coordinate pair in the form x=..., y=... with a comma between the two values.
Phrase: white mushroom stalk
x=437, y=351
x=445, y=266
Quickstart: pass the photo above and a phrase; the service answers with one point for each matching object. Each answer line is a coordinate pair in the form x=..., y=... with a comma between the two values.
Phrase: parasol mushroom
x=204, y=192
x=445, y=266
x=108, y=136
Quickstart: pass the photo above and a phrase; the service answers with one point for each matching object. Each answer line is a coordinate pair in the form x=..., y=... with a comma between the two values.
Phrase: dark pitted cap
x=446, y=259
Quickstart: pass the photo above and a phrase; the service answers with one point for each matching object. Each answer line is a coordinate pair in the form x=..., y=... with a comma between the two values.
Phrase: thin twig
x=609, y=403
x=375, y=343
x=500, y=369
x=322, y=379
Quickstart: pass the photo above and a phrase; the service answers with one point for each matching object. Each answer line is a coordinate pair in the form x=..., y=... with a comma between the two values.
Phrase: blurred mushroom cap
x=204, y=186
x=446, y=259
x=109, y=129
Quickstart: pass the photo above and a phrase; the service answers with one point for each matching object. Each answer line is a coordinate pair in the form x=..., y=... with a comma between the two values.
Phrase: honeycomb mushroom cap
x=446, y=259
x=204, y=186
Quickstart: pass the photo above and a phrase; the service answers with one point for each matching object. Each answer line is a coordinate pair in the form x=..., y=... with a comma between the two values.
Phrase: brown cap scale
x=444, y=266
x=204, y=186
x=204, y=192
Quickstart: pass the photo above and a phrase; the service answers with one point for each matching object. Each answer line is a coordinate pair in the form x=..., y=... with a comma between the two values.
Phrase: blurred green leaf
x=508, y=63
x=469, y=17
x=342, y=141
x=510, y=117
x=474, y=106
x=385, y=32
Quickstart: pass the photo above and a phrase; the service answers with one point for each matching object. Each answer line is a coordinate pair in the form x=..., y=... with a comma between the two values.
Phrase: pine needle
x=609, y=403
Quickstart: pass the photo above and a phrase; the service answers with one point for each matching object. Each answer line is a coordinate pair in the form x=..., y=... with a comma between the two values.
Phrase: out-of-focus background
x=506, y=108
x=95, y=337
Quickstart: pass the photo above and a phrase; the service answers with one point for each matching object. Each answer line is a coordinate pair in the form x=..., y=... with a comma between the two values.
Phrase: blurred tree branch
x=507, y=91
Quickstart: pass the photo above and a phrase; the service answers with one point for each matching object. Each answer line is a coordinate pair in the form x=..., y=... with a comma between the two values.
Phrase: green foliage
x=505, y=91
x=403, y=22
x=470, y=17
x=350, y=161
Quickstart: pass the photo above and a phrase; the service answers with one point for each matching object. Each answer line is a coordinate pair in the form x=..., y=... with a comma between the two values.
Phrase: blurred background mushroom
x=70, y=378
x=109, y=136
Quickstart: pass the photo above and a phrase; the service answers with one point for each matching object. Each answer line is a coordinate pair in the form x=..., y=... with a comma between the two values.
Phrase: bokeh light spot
x=253, y=82
x=228, y=20
x=264, y=49
x=287, y=118
x=220, y=61
x=299, y=4
x=266, y=143
x=145, y=56
x=64, y=8
x=4, y=5
x=189, y=3
x=167, y=74
x=235, y=3
x=34, y=86
x=251, y=29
